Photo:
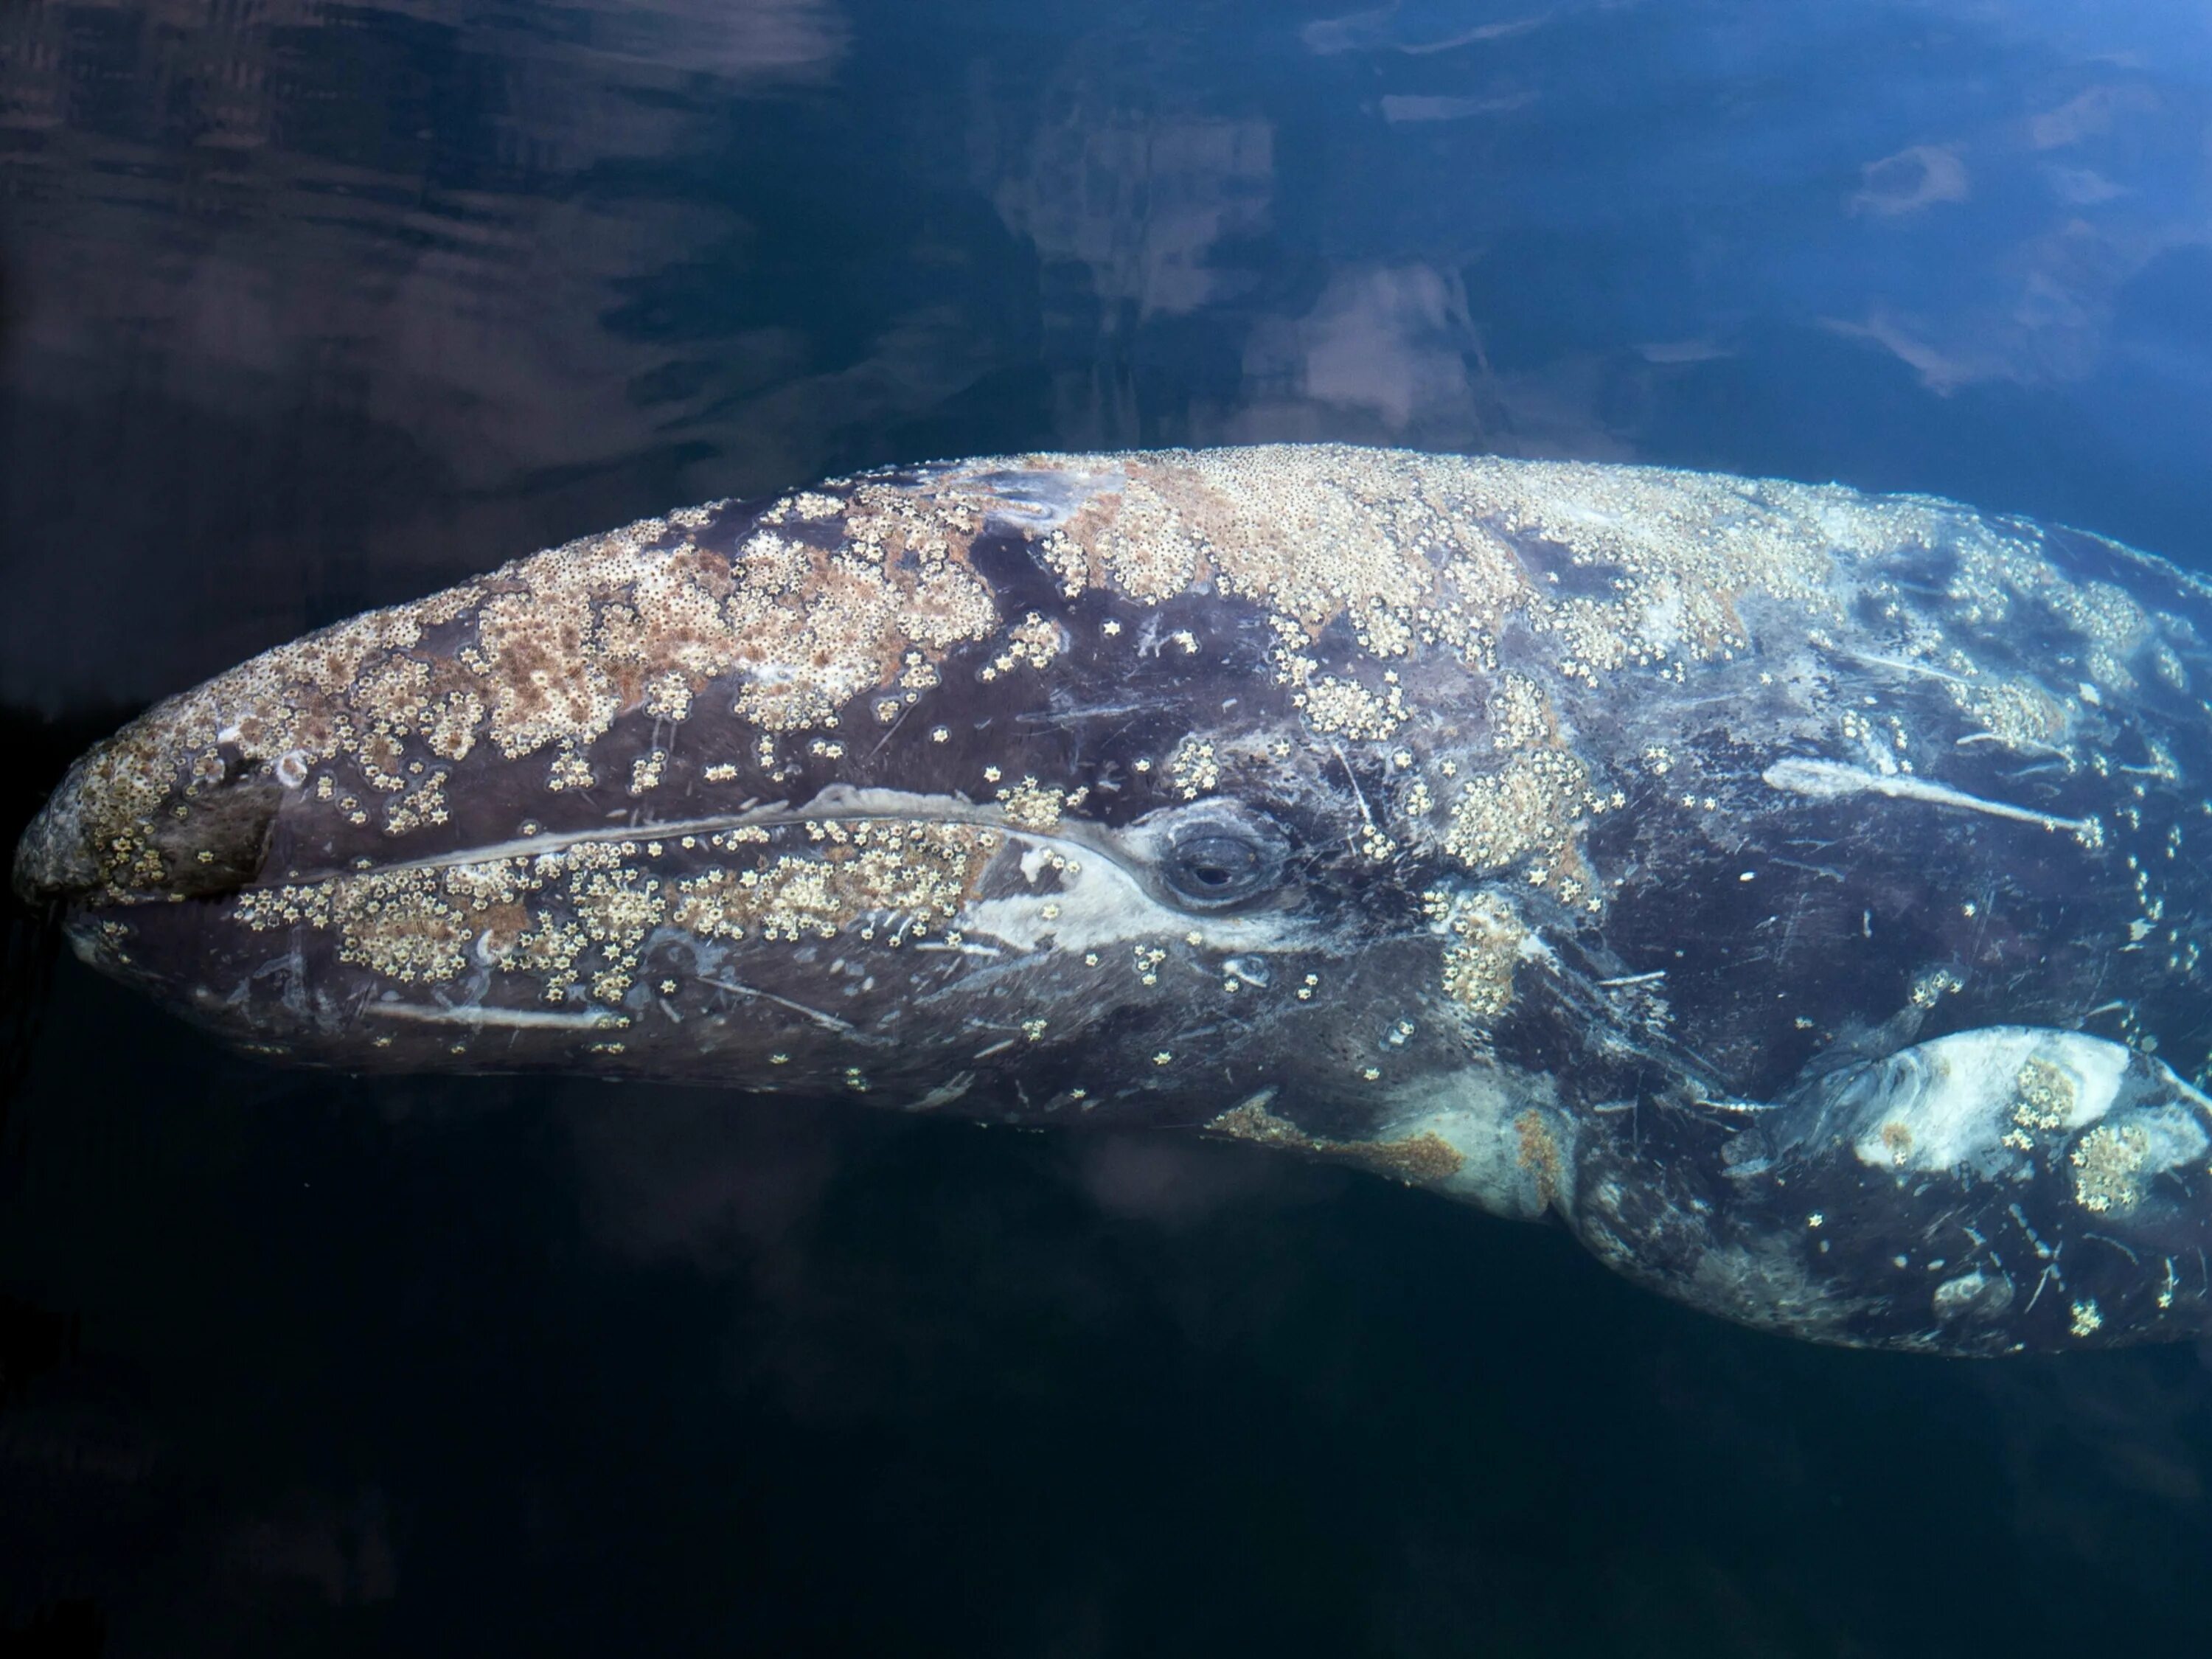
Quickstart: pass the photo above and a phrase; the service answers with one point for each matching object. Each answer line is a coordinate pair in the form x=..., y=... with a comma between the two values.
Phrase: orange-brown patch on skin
x=1418, y=1160
x=501, y=925
x=1539, y=1153
x=710, y=572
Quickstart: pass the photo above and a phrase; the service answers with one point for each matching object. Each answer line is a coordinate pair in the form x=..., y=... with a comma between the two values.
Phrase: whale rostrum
x=1797, y=893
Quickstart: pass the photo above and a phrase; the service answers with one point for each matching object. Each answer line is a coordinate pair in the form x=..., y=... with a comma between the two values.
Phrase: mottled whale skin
x=1799, y=893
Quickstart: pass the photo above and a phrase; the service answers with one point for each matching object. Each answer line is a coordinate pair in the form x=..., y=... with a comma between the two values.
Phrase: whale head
x=1119, y=788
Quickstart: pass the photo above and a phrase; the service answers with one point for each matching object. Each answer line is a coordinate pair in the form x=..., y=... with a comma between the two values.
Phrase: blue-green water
x=309, y=306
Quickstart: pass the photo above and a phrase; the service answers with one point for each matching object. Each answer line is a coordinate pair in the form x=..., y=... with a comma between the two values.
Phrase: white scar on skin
x=842, y=1027
x=520, y=1018
x=1819, y=780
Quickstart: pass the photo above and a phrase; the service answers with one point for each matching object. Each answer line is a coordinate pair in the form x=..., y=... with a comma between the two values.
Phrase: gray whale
x=1797, y=893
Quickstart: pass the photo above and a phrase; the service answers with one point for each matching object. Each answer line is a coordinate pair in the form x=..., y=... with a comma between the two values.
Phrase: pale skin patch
x=1096, y=904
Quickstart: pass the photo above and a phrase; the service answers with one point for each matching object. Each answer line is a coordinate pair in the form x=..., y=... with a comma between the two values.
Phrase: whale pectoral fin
x=2003, y=1189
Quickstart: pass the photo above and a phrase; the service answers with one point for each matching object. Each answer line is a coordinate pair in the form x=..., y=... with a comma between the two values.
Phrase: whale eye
x=1220, y=859
x=1218, y=864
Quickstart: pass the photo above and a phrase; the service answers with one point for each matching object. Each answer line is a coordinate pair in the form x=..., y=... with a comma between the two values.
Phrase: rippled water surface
x=308, y=307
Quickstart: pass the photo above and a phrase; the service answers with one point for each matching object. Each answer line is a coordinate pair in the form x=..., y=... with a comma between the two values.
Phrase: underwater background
x=307, y=307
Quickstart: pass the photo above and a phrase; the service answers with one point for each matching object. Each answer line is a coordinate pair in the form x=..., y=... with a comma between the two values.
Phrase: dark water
x=311, y=305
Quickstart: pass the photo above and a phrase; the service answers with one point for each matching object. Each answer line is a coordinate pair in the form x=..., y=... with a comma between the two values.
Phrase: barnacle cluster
x=918, y=874
x=2044, y=1100
x=582, y=915
x=1484, y=942
x=2111, y=1164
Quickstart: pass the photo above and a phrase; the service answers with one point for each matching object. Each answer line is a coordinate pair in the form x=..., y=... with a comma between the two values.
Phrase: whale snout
x=54, y=857
x=129, y=824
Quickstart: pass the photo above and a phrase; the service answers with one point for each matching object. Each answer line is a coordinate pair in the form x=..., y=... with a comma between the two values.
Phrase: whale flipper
x=2004, y=1189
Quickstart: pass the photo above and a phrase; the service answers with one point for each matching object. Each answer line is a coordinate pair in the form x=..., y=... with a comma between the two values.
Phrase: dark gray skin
x=1796, y=892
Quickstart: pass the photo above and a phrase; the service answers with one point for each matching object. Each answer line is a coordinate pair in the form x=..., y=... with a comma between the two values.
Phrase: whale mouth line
x=837, y=803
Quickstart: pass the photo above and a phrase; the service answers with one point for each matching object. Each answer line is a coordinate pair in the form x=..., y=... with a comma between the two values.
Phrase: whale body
x=1796, y=893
